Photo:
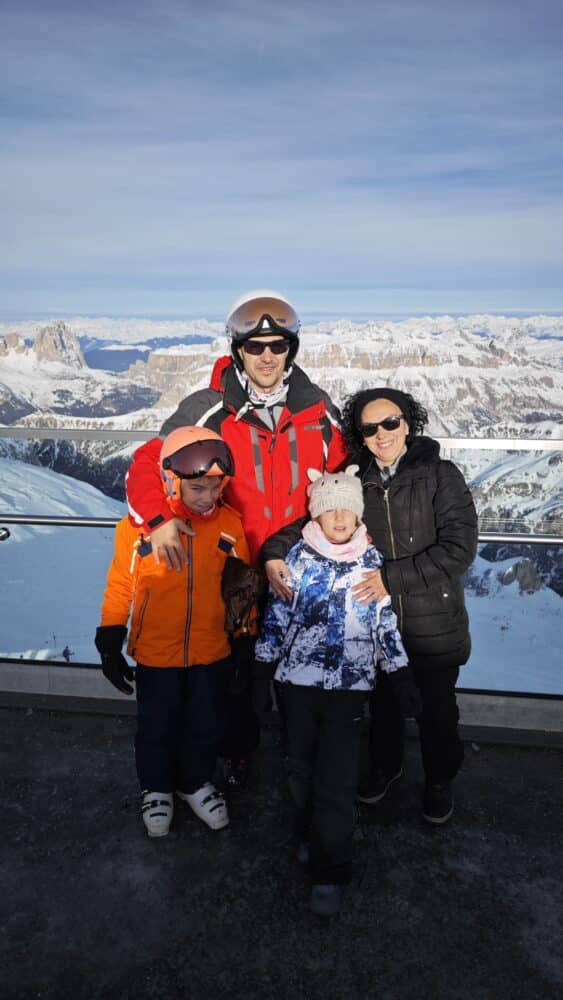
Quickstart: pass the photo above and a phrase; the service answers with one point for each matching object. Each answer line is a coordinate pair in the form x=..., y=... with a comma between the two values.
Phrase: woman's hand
x=279, y=578
x=370, y=589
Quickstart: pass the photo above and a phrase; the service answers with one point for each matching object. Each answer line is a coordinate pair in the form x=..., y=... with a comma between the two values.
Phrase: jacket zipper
x=190, y=580
x=391, y=535
x=140, y=625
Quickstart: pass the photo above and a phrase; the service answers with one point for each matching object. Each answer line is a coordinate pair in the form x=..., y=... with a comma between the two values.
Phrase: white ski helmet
x=262, y=313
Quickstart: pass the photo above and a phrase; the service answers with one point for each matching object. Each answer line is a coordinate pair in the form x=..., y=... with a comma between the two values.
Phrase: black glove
x=242, y=655
x=406, y=692
x=109, y=640
x=262, y=676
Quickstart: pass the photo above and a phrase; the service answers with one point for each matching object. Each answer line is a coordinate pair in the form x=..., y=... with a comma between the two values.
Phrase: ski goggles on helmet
x=263, y=316
x=259, y=346
x=389, y=424
x=202, y=458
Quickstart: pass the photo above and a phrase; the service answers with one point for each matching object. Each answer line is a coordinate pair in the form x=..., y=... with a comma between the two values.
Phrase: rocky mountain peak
x=56, y=342
x=12, y=342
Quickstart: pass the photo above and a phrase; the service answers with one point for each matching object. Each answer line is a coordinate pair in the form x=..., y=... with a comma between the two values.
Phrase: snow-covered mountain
x=53, y=580
x=129, y=331
x=49, y=375
x=477, y=375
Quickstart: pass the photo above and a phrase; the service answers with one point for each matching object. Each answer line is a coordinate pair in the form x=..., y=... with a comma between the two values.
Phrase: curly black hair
x=415, y=413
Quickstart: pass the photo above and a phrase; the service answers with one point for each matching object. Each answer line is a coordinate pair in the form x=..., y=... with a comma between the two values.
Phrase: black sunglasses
x=258, y=346
x=389, y=424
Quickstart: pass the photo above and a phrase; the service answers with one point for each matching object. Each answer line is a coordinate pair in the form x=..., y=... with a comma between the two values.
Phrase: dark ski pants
x=180, y=724
x=442, y=749
x=242, y=734
x=324, y=733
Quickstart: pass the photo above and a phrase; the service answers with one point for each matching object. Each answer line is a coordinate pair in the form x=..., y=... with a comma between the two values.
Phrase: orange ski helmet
x=193, y=452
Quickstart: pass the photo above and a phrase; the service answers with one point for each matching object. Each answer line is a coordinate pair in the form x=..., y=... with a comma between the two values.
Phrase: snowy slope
x=517, y=636
x=52, y=578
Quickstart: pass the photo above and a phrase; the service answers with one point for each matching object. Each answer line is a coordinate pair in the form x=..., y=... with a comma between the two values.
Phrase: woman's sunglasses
x=259, y=346
x=389, y=424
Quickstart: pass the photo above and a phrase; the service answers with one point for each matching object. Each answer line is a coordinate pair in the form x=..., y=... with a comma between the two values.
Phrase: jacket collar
x=301, y=394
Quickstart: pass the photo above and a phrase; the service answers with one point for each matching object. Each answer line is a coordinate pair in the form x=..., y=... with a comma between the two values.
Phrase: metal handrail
x=74, y=434
x=109, y=522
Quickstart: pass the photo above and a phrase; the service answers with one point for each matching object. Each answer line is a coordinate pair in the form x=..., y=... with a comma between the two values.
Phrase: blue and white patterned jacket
x=324, y=638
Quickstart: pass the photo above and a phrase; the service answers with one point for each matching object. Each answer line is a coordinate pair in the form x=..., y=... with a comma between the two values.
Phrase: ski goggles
x=389, y=424
x=259, y=346
x=265, y=315
x=202, y=458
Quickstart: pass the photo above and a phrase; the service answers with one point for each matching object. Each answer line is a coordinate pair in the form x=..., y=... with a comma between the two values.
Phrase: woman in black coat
x=420, y=515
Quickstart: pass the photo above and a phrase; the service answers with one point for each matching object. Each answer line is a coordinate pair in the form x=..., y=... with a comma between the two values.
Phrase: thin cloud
x=399, y=142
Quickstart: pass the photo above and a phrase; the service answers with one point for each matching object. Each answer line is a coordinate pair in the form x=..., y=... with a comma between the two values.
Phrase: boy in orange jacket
x=177, y=633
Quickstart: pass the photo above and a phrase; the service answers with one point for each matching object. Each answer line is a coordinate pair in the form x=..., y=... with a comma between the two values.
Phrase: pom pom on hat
x=335, y=490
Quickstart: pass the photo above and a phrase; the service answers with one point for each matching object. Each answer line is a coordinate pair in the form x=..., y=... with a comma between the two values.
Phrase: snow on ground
x=517, y=642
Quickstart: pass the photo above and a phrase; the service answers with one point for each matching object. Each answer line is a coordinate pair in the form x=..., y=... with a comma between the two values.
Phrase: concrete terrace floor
x=94, y=909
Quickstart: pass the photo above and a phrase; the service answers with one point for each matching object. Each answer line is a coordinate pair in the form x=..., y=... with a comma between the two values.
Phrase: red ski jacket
x=270, y=481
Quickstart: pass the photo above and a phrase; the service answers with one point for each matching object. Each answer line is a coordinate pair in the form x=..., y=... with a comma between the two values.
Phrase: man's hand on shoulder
x=167, y=545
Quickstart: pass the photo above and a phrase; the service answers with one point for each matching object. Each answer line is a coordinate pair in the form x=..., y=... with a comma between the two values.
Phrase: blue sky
x=363, y=157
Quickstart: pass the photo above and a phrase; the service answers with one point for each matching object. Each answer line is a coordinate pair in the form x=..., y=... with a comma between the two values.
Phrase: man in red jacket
x=277, y=424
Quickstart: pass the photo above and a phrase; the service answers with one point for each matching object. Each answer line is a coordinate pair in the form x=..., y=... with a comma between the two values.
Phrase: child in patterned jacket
x=328, y=648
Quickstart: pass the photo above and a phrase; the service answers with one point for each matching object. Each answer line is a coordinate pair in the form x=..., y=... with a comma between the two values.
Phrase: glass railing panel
x=52, y=576
x=53, y=580
x=517, y=486
x=514, y=590
x=514, y=597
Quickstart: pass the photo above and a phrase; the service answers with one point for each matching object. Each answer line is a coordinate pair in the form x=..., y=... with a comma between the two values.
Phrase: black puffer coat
x=424, y=523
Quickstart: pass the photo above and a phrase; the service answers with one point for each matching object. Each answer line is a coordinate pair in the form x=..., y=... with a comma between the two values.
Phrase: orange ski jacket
x=177, y=618
x=270, y=481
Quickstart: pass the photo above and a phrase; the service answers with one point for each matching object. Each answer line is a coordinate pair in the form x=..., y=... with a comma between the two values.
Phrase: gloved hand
x=262, y=676
x=242, y=655
x=109, y=640
x=406, y=692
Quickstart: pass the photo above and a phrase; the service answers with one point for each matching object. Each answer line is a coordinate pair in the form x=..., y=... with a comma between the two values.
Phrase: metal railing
x=110, y=522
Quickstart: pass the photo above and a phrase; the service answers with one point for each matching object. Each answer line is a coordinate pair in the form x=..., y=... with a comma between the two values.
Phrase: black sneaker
x=377, y=785
x=236, y=772
x=438, y=804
